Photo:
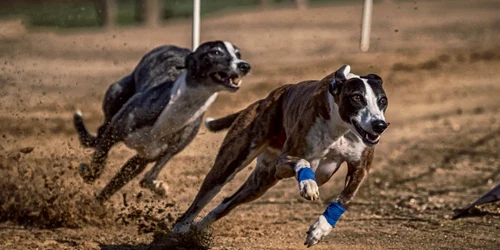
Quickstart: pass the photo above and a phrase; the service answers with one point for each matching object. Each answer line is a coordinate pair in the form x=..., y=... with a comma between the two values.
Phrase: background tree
x=148, y=12
x=106, y=12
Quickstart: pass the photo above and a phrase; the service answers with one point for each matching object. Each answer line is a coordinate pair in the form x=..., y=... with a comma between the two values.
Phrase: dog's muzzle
x=244, y=67
x=369, y=138
x=379, y=126
x=232, y=79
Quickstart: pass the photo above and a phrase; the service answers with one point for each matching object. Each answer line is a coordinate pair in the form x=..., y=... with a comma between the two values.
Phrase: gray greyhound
x=158, y=109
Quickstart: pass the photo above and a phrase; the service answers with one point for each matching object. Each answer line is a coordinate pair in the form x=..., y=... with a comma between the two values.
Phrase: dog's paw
x=317, y=231
x=309, y=189
x=86, y=173
x=157, y=187
x=181, y=227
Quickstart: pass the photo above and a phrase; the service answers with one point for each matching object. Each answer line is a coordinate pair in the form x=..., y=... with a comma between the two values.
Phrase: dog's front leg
x=292, y=162
x=356, y=175
x=308, y=187
x=300, y=168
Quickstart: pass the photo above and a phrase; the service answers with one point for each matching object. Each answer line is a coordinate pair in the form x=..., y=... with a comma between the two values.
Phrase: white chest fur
x=324, y=134
x=185, y=106
x=347, y=149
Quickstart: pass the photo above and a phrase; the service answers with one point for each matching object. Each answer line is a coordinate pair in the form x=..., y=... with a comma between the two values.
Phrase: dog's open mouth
x=368, y=138
x=230, y=81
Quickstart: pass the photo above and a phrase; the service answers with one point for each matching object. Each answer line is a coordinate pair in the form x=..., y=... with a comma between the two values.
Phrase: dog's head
x=217, y=63
x=361, y=102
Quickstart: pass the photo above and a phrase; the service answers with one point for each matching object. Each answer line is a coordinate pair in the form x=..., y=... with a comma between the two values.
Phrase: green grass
x=83, y=13
x=63, y=15
x=77, y=14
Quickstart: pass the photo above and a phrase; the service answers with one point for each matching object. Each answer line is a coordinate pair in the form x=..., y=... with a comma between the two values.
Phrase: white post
x=366, y=25
x=196, y=24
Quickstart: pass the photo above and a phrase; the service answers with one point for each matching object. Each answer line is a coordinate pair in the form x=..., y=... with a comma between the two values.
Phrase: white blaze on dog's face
x=235, y=55
x=362, y=103
x=220, y=63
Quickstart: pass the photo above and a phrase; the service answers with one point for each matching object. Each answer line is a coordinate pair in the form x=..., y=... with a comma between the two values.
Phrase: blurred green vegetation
x=77, y=14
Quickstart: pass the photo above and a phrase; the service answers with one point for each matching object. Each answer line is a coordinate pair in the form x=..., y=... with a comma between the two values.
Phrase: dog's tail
x=86, y=139
x=217, y=125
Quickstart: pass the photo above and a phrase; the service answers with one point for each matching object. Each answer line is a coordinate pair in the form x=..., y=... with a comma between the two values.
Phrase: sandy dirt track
x=440, y=64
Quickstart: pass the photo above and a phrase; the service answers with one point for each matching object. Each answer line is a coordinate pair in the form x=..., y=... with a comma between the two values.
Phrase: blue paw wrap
x=305, y=174
x=333, y=213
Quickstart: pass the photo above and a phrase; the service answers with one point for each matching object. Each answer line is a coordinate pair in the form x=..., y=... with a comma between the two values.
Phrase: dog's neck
x=188, y=101
x=190, y=79
x=337, y=126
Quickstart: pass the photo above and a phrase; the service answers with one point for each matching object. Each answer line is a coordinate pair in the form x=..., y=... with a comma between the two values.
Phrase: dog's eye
x=215, y=52
x=383, y=101
x=356, y=98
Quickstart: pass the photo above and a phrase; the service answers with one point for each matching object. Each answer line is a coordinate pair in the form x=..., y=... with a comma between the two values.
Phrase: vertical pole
x=196, y=23
x=366, y=25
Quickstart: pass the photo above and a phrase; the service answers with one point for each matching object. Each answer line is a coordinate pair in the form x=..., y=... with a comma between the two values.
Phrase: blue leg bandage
x=333, y=213
x=305, y=174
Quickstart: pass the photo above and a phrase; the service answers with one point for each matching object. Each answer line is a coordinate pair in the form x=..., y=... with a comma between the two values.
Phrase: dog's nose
x=244, y=67
x=379, y=126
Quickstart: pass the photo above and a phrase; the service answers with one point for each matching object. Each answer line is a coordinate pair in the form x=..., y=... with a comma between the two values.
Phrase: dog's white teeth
x=237, y=81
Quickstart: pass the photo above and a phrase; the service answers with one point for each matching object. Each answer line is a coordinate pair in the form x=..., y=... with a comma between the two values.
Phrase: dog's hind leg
x=91, y=172
x=261, y=180
x=246, y=139
x=131, y=169
x=116, y=96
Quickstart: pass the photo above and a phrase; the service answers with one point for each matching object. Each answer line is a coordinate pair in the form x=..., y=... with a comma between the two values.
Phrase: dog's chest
x=322, y=137
x=186, y=105
x=347, y=148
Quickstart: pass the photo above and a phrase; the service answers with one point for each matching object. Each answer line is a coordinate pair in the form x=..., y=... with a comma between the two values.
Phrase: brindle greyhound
x=304, y=130
x=158, y=109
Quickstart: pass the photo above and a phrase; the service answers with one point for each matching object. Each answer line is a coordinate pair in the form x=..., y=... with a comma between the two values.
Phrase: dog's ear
x=339, y=79
x=374, y=77
x=191, y=63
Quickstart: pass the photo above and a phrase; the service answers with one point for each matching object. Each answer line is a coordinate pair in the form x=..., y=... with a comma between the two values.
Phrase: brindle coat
x=295, y=126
